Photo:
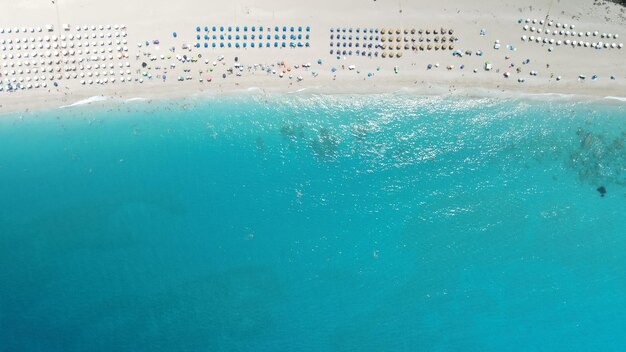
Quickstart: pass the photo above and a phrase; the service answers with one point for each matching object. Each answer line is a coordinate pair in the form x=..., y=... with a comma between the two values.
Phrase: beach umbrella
x=398, y=31
x=383, y=30
x=429, y=46
x=413, y=31
x=384, y=54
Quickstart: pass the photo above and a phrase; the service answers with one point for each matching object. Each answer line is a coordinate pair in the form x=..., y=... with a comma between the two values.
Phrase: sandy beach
x=155, y=63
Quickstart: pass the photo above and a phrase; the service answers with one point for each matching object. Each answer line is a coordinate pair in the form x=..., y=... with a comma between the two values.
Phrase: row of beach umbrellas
x=61, y=38
x=253, y=29
x=568, y=33
x=418, y=31
x=254, y=45
x=252, y=37
x=574, y=43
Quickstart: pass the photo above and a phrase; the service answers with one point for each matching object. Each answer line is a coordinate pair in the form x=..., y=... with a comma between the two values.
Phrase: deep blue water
x=308, y=223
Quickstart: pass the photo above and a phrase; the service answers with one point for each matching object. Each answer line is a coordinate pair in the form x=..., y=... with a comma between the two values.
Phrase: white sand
x=157, y=19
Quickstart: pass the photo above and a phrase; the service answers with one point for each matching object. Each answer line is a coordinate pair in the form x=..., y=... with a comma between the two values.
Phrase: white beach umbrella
x=524, y=38
x=525, y=27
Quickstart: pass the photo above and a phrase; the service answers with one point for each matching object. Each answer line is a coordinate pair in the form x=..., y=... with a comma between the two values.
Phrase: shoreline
x=252, y=92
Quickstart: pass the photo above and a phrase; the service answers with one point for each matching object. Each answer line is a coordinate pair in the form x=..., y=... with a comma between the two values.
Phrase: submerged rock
x=602, y=191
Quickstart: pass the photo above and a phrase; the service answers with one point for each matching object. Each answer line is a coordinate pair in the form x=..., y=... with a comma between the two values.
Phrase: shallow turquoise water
x=309, y=223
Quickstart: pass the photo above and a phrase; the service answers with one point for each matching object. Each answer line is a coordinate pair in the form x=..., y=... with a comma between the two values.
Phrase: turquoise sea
x=314, y=223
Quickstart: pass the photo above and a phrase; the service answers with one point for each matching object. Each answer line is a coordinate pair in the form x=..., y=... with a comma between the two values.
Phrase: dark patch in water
x=600, y=158
x=326, y=144
x=602, y=191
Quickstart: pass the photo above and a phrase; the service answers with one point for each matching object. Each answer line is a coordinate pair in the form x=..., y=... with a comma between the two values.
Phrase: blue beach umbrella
x=331, y=51
x=206, y=45
x=221, y=28
x=230, y=37
x=260, y=44
x=237, y=37
x=213, y=28
x=306, y=44
x=198, y=36
x=230, y=44
x=245, y=37
x=213, y=45
x=221, y=44
x=306, y=37
x=237, y=28
x=198, y=28
x=221, y=37
x=291, y=29
x=276, y=44
x=236, y=45
x=284, y=28
x=206, y=37
x=260, y=28
x=308, y=29
x=300, y=29
x=253, y=28
x=245, y=28
x=252, y=44
x=206, y=29
x=174, y=34
x=244, y=44
x=276, y=28
x=214, y=37
x=230, y=29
